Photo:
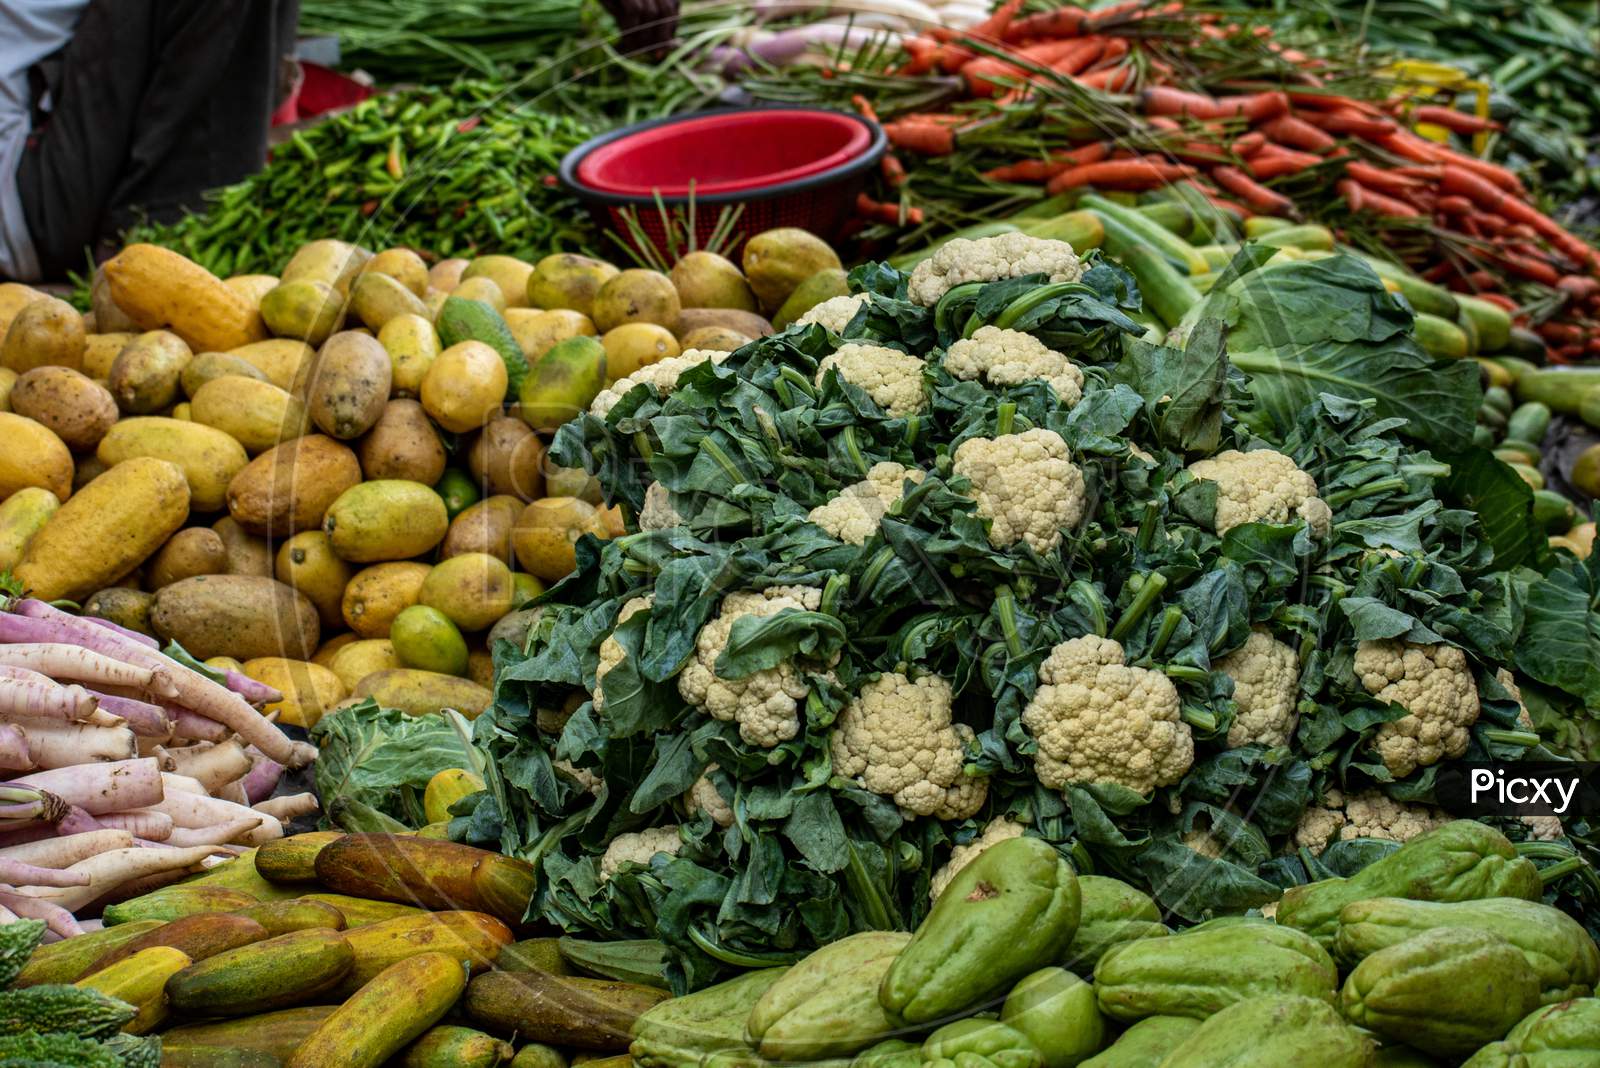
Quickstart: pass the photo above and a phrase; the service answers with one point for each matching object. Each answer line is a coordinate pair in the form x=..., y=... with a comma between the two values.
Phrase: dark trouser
x=152, y=103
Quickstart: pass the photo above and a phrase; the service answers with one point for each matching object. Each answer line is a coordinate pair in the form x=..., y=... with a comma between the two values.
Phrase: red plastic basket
x=787, y=166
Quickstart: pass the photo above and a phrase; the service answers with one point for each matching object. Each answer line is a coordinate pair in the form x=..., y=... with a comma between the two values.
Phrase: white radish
x=112, y=787
x=289, y=806
x=183, y=784
x=141, y=823
x=18, y=873
x=212, y=765
x=263, y=777
x=25, y=697
x=14, y=748
x=118, y=628
x=77, y=821
x=195, y=727
x=232, y=791
x=114, y=868
x=7, y=916
x=67, y=850
x=257, y=693
x=198, y=812
x=144, y=718
x=221, y=834
x=63, y=745
x=61, y=661
x=56, y=918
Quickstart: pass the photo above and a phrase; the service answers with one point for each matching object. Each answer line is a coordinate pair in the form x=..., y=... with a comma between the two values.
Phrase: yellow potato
x=508, y=458
x=33, y=456
x=402, y=444
x=8, y=379
x=777, y=261
x=209, y=457
x=472, y=590
x=565, y=280
x=362, y=657
x=250, y=288
x=412, y=345
x=333, y=263
x=707, y=280
x=106, y=529
x=248, y=554
x=190, y=552
x=446, y=274
x=403, y=265
x=348, y=385
x=307, y=563
x=376, y=298
x=100, y=351
x=21, y=516
x=144, y=377
x=243, y=616
x=309, y=311
x=507, y=272
x=465, y=386
x=308, y=689
x=76, y=408
x=107, y=316
x=160, y=289
x=45, y=333
x=258, y=415
x=284, y=361
x=635, y=345
x=389, y=519
x=715, y=338
x=182, y=411
x=224, y=663
x=483, y=289
x=14, y=296
x=207, y=366
x=547, y=531
x=421, y=693
x=288, y=489
x=330, y=648
x=636, y=295
x=485, y=527
x=375, y=595
x=536, y=332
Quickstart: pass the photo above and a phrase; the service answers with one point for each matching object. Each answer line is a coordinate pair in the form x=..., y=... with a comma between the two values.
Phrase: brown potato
x=740, y=322
x=190, y=552
x=76, y=408
x=547, y=532
x=288, y=489
x=123, y=606
x=144, y=377
x=715, y=338
x=376, y=594
x=508, y=458
x=308, y=563
x=45, y=333
x=402, y=444
x=247, y=554
x=348, y=384
x=403, y=265
x=242, y=616
x=484, y=528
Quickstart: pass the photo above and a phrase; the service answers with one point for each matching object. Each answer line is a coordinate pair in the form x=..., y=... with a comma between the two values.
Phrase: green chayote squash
x=1057, y=1012
x=1112, y=912
x=1011, y=911
x=1145, y=1043
x=1446, y=991
x=1274, y=1031
x=827, y=1005
x=890, y=1053
x=1207, y=968
x=1462, y=861
x=1559, y=949
x=703, y=1028
x=1555, y=1036
x=975, y=1043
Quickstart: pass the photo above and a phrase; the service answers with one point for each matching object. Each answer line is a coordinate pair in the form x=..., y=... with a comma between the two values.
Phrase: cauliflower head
x=1369, y=814
x=765, y=704
x=1025, y=485
x=702, y=796
x=585, y=778
x=658, y=512
x=996, y=830
x=1097, y=720
x=855, y=512
x=1434, y=684
x=895, y=738
x=663, y=375
x=835, y=313
x=638, y=847
x=1010, y=358
x=611, y=651
x=1263, y=487
x=1266, y=684
x=893, y=379
x=989, y=259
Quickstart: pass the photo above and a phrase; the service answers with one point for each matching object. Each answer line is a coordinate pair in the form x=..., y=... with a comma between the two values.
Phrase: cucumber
x=386, y=1015
x=140, y=981
x=360, y=911
x=276, y=973
x=1528, y=448
x=472, y=320
x=1211, y=223
x=536, y=955
x=1257, y=225
x=213, y=1057
x=449, y=1046
x=1562, y=388
x=1492, y=417
x=293, y=859
x=1529, y=422
x=1441, y=339
x=1498, y=397
x=586, y=1014
x=175, y=902
x=472, y=938
x=240, y=874
x=1203, y=282
x=196, y=937
x=1168, y=293
x=1080, y=229
x=1511, y=454
x=70, y=959
x=275, y=1034
x=1526, y=345
x=1482, y=436
x=1586, y=471
x=1146, y=231
x=1515, y=366
x=1530, y=475
x=1307, y=237
x=1047, y=208
x=1493, y=322
x=1172, y=215
x=1470, y=329
x=281, y=917
x=1589, y=406
x=1553, y=512
x=1493, y=374
x=1423, y=296
x=1217, y=256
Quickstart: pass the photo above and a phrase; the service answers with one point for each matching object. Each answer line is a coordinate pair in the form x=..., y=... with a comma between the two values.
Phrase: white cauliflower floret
x=1544, y=828
x=1263, y=487
x=658, y=513
x=611, y=651
x=764, y=704
x=855, y=512
x=1025, y=485
x=995, y=831
x=638, y=847
x=1010, y=358
x=584, y=777
x=663, y=375
x=1434, y=684
x=895, y=738
x=1266, y=683
x=989, y=259
x=1097, y=720
x=702, y=796
x=1369, y=814
x=835, y=313
x=890, y=377
x=1203, y=842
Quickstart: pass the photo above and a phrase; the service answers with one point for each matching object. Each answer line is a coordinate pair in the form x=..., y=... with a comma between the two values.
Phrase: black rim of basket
x=848, y=169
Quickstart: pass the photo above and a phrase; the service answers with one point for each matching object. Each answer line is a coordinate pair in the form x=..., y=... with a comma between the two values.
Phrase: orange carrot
x=1499, y=300
x=1579, y=287
x=1297, y=133
x=1455, y=205
x=925, y=138
x=1048, y=53
x=1360, y=198
x=864, y=107
x=1351, y=121
x=1112, y=15
x=995, y=26
x=1384, y=181
x=1453, y=120
x=1064, y=21
x=1258, y=198
x=1249, y=144
x=1041, y=170
x=1528, y=267
x=983, y=73
x=1256, y=107
x=1269, y=164
x=1141, y=173
x=1165, y=100
x=1109, y=79
x=878, y=211
x=893, y=171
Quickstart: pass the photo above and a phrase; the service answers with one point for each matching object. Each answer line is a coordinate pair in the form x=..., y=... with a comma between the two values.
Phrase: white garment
x=30, y=30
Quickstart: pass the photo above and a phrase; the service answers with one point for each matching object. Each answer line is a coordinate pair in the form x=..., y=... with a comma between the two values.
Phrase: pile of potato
x=293, y=477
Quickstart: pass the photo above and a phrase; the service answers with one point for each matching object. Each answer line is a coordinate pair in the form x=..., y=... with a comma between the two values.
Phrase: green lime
x=458, y=490
x=425, y=638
